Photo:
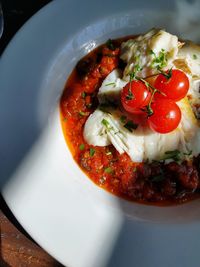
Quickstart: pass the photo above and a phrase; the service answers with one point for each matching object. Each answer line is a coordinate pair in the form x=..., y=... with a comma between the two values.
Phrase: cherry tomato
x=175, y=88
x=166, y=116
x=135, y=96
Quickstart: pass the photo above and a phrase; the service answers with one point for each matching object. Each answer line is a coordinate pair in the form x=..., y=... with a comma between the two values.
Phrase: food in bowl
x=130, y=114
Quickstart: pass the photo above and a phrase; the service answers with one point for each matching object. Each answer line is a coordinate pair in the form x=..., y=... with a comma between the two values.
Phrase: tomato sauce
x=149, y=183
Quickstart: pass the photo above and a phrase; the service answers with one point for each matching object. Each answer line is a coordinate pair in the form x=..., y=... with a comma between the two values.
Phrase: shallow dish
x=73, y=219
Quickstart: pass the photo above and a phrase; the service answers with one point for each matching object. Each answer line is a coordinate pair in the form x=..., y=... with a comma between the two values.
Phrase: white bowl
x=73, y=219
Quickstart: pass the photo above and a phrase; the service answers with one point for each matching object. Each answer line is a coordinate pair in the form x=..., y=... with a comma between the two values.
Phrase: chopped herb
x=152, y=53
x=92, y=152
x=108, y=170
x=110, y=84
x=188, y=154
x=110, y=44
x=194, y=56
x=82, y=147
x=81, y=113
x=83, y=94
x=130, y=125
x=132, y=76
x=137, y=68
x=175, y=155
x=123, y=119
x=159, y=61
x=105, y=123
x=108, y=153
x=64, y=119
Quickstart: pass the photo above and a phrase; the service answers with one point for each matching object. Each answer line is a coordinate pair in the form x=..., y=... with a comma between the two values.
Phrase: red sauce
x=155, y=183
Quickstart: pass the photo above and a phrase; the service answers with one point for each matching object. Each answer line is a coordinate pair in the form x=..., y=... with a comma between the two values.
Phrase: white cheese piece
x=111, y=87
x=114, y=132
x=188, y=60
x=156, y=144
x=190, y=52
x=142, y=51
x=189, y=128
x=93, y=131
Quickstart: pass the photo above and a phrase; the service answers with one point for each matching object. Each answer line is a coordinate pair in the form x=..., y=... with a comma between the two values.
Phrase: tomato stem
x=149, y=109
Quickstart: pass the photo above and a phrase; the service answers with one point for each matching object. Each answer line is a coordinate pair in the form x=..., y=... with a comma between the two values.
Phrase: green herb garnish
x=108, y=170
x=92, y=152
x=105, y=123
x=123, y=119
x=194, y=56
x=175, y=155
x=188, y=154
x=130, y=126
x=81, y=113
x=110, y=84
x=82, y=147
x=159, y=61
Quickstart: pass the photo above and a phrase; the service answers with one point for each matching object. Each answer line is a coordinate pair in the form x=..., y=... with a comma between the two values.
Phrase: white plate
x=78, y=223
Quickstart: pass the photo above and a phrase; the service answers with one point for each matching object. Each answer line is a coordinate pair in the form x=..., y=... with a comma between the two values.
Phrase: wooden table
x=17, y=249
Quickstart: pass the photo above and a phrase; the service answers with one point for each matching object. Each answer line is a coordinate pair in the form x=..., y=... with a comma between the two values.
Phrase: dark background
x=16, y=13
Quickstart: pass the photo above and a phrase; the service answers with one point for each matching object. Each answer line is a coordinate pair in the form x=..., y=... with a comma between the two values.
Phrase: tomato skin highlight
x=175, y=88
x=135, y=96
x=166, y=116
